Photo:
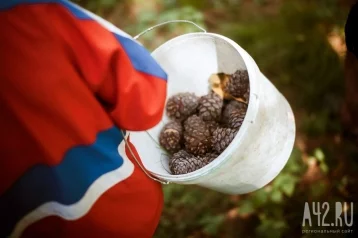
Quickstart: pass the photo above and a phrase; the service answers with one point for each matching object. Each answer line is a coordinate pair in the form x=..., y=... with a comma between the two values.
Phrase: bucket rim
x=251, y=113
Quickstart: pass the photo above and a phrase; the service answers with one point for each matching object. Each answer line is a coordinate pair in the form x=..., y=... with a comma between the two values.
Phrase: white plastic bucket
x=265, y=140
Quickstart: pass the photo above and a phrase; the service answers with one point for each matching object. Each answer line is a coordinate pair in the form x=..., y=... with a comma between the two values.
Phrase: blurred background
x=299, y=45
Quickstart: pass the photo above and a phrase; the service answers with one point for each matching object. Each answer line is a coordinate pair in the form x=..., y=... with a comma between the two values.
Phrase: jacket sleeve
x=126, y=79
x=134, y=88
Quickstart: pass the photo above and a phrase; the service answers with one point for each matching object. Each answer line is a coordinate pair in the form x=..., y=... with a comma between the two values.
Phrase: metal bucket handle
x=139, y=164
x=123, y=134
x=167, y=22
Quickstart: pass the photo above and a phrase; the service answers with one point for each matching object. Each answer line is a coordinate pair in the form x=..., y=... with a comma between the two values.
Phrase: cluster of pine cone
x=201, y=128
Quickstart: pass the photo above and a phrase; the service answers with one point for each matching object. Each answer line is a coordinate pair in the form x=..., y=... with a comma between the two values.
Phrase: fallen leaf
x=217, y=84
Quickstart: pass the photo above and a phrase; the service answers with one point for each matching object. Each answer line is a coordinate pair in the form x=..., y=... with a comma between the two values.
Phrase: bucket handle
x=140, y=165
x=167, y=22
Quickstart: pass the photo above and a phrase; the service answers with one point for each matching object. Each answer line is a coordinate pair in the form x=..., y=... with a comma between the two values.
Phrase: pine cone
x=212, y=125
x=238, y=83
x=171, y=136
x=196, y=136
x=230, y=107
x=181, y=154
x=182, y=163
x=208, y=157
x=236, y=118
x=210, y=107
x=222, y=138
x=180, y=106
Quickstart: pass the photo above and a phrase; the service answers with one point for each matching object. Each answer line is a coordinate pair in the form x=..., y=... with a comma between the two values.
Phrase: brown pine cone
x=171, y=136
x=236, y=119
x=210, y=107
x=212, y=125
x=230, y=107
x=182, y=163
x=238, y=83
x=196, y=136
x=208, y=157
x=180, y=106
x=222, y=138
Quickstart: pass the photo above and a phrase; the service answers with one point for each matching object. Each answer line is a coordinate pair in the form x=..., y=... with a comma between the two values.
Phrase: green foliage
x=186, y=209
x=321, y=122
x=318, y=189
x=271, y=228
x=295, y=166
x=97, y=6
x=319, y=155
x=211, y=223
x=248, y=207
x=202, y=5
x=286, y=184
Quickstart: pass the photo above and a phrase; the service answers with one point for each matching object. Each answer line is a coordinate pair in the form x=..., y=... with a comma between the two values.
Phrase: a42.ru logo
x=343, y=216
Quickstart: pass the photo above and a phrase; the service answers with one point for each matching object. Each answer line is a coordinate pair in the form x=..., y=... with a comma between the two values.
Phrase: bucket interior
x=189, y=60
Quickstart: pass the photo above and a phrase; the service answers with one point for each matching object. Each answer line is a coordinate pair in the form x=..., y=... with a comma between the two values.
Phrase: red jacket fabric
x=69, y=82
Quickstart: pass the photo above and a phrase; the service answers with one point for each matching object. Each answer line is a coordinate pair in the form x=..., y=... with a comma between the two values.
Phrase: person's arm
x=121, y=72
x=135, y=98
